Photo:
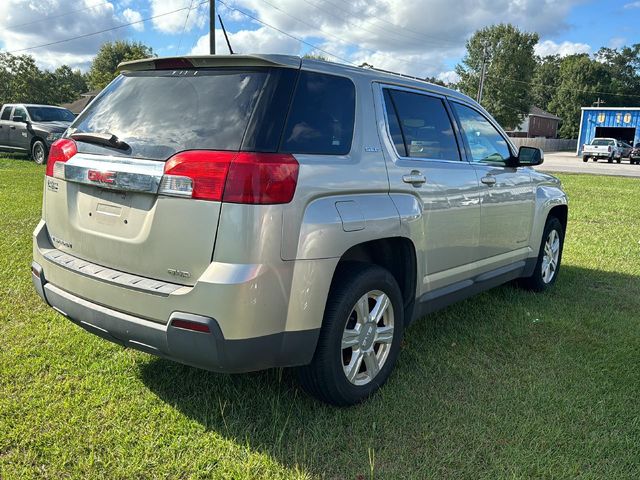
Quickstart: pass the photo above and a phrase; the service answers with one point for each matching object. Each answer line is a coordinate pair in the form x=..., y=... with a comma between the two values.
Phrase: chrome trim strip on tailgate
x=115, y=173
x=109, y=275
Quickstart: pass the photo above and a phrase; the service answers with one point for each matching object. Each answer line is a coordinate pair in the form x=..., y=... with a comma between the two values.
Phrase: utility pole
x=483, y=73
x=212, y=27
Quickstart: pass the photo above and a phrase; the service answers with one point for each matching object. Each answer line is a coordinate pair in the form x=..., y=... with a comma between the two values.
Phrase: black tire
x=619, y=160
x=536, y=281
x=595, y=159
x=325, y=377
x=585, y=159
x=39, y=152
x=610, y=160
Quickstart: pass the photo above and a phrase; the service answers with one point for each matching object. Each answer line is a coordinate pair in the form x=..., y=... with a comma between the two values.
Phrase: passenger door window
x=485, y=143
x=422, y=124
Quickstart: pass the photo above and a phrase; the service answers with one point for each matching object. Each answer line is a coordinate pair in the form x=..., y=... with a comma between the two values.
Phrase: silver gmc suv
x=237, y=213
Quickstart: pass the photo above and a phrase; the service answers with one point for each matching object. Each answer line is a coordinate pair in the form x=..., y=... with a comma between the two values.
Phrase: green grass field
x=509, y=384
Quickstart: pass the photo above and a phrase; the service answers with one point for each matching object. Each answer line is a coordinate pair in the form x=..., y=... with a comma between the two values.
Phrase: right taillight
x=61, y=150
x=233, y=177
x=261, y=178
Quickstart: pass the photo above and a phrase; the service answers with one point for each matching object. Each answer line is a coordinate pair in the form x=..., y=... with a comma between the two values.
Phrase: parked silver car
x=236, y=213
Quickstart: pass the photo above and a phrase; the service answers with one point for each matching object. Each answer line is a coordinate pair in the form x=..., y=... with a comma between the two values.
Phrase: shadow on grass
x=471, y=380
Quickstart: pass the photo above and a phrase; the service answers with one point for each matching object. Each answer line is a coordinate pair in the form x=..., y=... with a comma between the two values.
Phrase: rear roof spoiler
x=203, y=61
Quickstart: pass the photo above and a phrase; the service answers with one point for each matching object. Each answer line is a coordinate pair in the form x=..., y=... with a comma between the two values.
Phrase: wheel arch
x=396, y=255
x=561, y=212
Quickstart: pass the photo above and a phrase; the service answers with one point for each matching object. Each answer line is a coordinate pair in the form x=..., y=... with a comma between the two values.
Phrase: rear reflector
x=244, y=177
x=35, y=270
x=61, y=151
x=188, y=325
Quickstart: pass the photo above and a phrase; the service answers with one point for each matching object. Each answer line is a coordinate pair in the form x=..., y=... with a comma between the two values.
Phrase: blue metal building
x=610, y=122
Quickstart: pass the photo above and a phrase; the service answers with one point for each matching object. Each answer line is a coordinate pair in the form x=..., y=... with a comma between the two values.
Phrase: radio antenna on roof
x=224, y=30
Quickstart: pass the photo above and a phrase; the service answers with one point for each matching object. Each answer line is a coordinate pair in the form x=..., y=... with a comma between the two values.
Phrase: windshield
x=159, y=113
x=50, y=114
x=602, y=142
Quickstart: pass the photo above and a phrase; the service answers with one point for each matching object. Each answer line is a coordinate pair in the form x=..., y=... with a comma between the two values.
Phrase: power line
x=396, y=32
x=334, y=36
x=184, y=26
x=49, y=17
x=105, y=30
x=555, y=87
x=316, y=27
x=286, y=34
x=397, y=29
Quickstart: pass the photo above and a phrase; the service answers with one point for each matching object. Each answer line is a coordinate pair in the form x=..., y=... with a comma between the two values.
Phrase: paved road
x=568, y=162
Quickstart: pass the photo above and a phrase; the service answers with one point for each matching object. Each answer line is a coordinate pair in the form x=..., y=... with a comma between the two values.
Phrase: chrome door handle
x=488, y=180
x=415, y=178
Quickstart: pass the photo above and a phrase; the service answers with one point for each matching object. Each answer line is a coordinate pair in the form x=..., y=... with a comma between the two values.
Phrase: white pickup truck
x=602, y=148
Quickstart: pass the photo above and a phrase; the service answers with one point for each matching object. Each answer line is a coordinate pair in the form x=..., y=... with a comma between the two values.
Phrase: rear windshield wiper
x=108, y=139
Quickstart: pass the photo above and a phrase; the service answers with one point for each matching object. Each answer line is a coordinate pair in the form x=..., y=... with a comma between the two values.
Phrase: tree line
x=515, y=80
x=22, y=81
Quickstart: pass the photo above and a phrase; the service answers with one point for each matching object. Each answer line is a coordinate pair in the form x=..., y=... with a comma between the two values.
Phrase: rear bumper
x=206, y=350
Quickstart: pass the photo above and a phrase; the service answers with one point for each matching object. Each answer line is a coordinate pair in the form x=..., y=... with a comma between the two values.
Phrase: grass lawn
x=508, y=384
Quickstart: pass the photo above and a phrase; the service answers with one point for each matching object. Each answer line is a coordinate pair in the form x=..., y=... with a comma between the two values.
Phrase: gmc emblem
x=101, y=177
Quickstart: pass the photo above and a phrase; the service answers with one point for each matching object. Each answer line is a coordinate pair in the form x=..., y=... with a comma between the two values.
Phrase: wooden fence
x=547, y=144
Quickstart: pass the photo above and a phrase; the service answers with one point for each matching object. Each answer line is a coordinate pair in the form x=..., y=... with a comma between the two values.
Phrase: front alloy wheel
x=551, y=256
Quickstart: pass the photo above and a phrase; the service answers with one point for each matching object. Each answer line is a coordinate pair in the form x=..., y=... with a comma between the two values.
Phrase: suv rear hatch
x=138, y=182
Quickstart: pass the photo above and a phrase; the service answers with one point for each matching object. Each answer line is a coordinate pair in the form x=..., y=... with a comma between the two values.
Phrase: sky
x=415, y=37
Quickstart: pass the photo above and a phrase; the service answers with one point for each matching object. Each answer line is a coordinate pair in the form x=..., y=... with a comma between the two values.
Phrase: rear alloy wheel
x=39, y=152
x=367, y=337
x=547, y=267
x=360, y=336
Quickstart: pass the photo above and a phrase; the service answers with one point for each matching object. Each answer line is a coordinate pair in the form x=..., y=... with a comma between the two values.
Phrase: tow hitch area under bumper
x=190, y=339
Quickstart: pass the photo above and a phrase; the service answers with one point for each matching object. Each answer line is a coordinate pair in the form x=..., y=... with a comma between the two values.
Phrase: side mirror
x=20, y=119
x=530, y=156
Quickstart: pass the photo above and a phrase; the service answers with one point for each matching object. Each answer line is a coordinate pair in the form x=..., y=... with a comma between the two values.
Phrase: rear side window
x=394, y=124
x=159, y=113
x=321, y=116
x=425, y=125
x=6, y=113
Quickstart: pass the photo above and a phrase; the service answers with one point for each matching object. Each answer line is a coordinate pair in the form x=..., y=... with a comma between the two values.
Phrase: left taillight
x=61, y=150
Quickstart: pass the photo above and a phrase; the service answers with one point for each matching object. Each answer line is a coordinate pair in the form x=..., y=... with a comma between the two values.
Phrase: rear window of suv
x=162, y=112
